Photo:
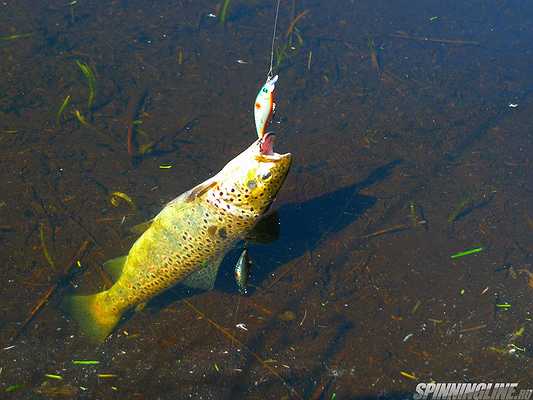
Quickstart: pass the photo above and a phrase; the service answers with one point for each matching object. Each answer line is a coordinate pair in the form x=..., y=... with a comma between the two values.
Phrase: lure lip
x=271, y=82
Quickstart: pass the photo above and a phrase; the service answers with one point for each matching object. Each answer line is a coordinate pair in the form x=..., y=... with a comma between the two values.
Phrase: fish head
x=249, y=183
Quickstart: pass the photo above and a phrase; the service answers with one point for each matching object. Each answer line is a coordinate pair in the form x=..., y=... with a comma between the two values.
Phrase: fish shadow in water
x=303, y=226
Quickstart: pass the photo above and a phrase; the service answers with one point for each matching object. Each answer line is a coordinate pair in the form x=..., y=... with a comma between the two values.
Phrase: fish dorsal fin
x=206, y=275
x=266, y=230
x=114, y=267
x=178, y=204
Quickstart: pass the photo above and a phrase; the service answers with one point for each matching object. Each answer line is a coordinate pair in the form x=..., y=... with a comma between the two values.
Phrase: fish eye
x=266, y=176
x=265, y=90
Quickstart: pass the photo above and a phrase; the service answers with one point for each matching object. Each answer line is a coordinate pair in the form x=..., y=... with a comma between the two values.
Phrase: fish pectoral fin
x=204, y=278
x=114, y=267
x=200, y=189
x=266, y=230
x=139, y=229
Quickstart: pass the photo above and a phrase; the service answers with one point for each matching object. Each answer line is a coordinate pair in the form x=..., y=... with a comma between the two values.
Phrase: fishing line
x=269, y=75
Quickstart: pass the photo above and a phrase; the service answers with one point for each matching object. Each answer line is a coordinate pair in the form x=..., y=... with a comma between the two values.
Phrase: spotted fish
x=187, y=240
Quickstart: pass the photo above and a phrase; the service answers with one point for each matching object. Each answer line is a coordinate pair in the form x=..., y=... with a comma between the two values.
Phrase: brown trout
x=188, y=239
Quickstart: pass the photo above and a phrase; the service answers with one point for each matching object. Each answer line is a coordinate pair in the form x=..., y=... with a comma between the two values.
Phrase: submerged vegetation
x=62, y=109
x=476, y=198
x=292, y=44
x=15, y=36
x=224, y=11
x=91, y=83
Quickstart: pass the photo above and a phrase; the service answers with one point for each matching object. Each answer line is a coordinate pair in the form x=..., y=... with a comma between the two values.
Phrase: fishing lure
x=242, y=271
x=264, y=102
x=265, y=105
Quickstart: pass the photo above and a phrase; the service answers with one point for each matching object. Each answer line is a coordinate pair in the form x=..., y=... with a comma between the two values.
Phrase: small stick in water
x=226, y=333
x=131, y=112
x=51, y=290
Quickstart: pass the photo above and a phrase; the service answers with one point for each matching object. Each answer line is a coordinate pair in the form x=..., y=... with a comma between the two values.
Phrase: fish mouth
x=266, y=148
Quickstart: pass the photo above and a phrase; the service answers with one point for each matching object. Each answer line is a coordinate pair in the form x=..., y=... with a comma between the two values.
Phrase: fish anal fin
x=204, y=278
x=114, y=267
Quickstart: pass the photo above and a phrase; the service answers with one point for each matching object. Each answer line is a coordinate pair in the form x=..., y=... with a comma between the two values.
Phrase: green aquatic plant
x=467, y=252
x=91, y=82
x=224, y=11
x=62, y=109
x=15, y=36
x=475, y=199
x=85, y=362
x=290, y=47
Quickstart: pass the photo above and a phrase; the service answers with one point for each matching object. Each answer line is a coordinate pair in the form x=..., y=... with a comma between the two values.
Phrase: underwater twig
x=278, y=278
x=318, y=391
x=402, y=35
x=293, y=23
x=413, y=214
x=46, y=253
x=394, y=228
x=474, y=328
x=131, y=112
x=51, y=290
x=374, y=57
x=242, y=345
x=75, y=219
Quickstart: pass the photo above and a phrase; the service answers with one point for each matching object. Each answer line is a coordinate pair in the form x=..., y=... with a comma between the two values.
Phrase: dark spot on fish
x=212, y=230
x=222, y=233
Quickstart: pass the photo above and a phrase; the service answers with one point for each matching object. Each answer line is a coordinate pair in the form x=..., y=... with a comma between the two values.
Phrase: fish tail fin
x=95, y=320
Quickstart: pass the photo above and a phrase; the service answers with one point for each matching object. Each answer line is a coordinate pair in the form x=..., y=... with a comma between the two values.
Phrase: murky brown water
x=358, y=298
